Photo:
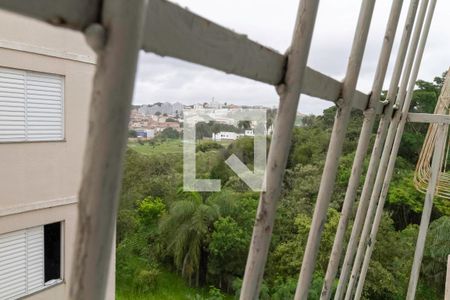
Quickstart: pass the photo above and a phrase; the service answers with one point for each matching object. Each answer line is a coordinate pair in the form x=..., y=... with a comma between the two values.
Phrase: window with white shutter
x=13, y=264
x=31, y=106
x=23, y=261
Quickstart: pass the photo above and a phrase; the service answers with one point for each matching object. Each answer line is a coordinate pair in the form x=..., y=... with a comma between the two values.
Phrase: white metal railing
x=166, y=29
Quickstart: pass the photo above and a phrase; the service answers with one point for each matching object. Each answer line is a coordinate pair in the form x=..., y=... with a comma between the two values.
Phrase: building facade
x=45, y=88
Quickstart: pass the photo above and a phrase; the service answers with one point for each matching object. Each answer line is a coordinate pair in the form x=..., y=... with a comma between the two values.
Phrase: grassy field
x=169, y=287
x=167, y=147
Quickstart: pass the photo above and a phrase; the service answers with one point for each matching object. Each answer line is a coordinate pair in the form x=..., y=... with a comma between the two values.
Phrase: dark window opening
x=52, y=251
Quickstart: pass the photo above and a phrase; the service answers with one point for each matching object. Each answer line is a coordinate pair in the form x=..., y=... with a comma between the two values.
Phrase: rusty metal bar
x=376, y=152
x=428, y=118
x=436, y=165
x=121, y=25
x=335, y=149
x=279, y=148
x=363, y=144
x=376, y=189
x=171, y=30
x=392, y=155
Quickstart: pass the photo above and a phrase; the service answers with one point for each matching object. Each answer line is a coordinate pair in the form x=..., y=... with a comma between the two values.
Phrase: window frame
x=63, y=108
x=57, y=282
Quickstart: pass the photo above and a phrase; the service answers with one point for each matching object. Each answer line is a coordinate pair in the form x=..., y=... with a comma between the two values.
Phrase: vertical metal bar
x=376, y=189
x=335, y=148
x=279, y=148
x=363, y=144
x=376, y=152
x=370, y=242
x=117, y=42
x=426, y=213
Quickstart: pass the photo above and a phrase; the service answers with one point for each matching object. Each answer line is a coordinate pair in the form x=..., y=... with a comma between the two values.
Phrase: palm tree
x=186, y=228
x=437, y=250
x=244, y=124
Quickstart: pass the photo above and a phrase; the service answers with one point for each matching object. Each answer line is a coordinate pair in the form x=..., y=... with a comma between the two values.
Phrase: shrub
x=208, y=146
x=215, y=294
x=150, y=209
x=146, y=280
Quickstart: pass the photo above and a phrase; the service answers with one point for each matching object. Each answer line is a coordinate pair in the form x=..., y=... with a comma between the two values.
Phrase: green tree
x=151, y=209
x=187, y=227
x=244, y=125
x=156, y=176
x=286, y=258
x=169, y=133
x=270, y=117
x=132, y=133
x=208, y=146
x=437, y=249
x=228, y=248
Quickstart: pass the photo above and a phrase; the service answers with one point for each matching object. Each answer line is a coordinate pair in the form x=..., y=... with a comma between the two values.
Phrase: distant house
x=249, y=132
x=145, y=133
x=197, y=106
x=225, y=135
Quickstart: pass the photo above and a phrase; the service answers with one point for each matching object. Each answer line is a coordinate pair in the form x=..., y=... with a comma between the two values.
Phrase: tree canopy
x=204, y=237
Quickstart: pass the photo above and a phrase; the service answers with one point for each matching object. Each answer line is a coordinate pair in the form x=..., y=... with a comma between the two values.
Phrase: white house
x=225, y=135
x=249, y=132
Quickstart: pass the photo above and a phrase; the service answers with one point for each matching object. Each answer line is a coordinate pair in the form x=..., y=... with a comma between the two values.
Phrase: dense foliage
x=204, y=237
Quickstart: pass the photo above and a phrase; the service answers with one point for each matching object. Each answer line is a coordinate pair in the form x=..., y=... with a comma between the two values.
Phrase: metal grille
x=166, y=29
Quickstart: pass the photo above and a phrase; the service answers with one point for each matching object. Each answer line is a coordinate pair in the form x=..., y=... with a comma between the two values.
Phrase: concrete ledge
x=12, y=210
x=5, y=44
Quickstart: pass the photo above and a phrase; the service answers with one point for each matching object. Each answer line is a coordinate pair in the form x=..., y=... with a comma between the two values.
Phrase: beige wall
x=19, y=29
x=41, y=171
x=39, y=181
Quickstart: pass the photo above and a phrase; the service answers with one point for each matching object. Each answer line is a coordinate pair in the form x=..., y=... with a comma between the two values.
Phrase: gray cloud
x=269, y=23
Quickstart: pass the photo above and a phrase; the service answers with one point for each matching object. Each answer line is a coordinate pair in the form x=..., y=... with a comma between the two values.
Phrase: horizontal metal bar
x=171, y=30
x=324, y=87
x=428, y=118
x=174, y=31
x=75, y=14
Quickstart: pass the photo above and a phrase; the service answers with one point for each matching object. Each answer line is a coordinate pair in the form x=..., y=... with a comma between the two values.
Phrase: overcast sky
x=271, y=24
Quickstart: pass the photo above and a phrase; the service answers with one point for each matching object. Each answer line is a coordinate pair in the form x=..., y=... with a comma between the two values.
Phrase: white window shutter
x=35, y=259
x=21, y=262
x=45, y=111
x=12, y=105
x=13, y=279
x=31, y=106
